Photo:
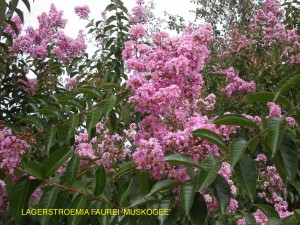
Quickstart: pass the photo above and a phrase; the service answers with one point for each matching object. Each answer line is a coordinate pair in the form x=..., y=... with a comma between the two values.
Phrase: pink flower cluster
x=104, y=148
x=272, y=188
x=31, y=84
x=82, y=11
x=49, y=35
x=275, y=111
x=269, y=21
x=236, y=86
x=11, y=150
x=139, y=14
x=167, y=86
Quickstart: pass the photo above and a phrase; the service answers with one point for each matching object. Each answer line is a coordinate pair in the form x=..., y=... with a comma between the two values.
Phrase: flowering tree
x=209, y=132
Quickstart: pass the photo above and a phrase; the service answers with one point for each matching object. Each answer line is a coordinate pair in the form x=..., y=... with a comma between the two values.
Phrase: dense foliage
x=207, y=129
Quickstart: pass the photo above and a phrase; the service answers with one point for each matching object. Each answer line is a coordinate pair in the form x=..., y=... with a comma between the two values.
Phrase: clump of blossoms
x=272, y=188
x=236, y=87
x=82, y=11
x=11, y=150
x=31, y=85
x=49, y=34
x=167, y=86
x=275, y=111
x=105, y=149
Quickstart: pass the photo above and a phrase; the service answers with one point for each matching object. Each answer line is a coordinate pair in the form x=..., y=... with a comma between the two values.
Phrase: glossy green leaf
x=100, y=181
x=27, y=4
x=47, y=201
x=250, y=219
x=208, y=173
x=187, y=193
x=34, y=169
x=90, y=91
x=245, y=171
x=210, y=136
x=50, y=138
x=265, y=97
x=275, y=133
x=163, y=185
x=72, y=169
x=289, y=154
x=22, y=191
x=181, y=159
x=143, y=180
x=71, y=126
x=237, y=149
x=286, y=84
x=164, y=203
x=221, y=191
x=141, y=200
x=2, y=11
x=93, y=118
x=291, y=220
x=79, y=202
x=109, y=105
x=124, y=192
x=235, y=120
x=56, y=160
x=125, y=168
x=198, y=213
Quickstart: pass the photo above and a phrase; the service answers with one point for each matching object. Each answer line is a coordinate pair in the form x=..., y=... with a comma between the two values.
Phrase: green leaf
x=110, y=7
x=289, y=153
x=89, y=91
x=71, y=126
x=110, y=86
x=245, y=171
x=237, y=149
x=70, y=101
x=235, y=120
x=291, y=220
x=100, y=181
x=274, y=221
x=250, y=219
x=79, y=202
x=47, y=201
x=56, y=160
x=143, y=179
x=146, y=220
x=165, y=203
x=109, y=105
x=38, y=122
x=275, y=133
x=141, y=200
x=221, y=191
x=208, y=173
x=27, y=4
x=210, y=136
x=265, y=97
x=50, y=111
x=13, y=26
x=22, y=191
x=297, y=214
x=20, y=14
x=34, y=169
x=187, y=193
x=181, y=159
x=93, y=118
x=162, y=185
x=198, y=214
x=268, y=210
x=2, y=11
x=286, y=84
x=124, y=169
x=124, y=191
x=72, y=169
x=50, y=138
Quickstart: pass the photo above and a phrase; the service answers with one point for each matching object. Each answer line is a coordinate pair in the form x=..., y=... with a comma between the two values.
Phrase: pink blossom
x=82, y=11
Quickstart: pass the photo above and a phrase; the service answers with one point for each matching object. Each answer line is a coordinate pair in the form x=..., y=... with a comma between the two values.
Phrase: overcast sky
x=180, y=7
